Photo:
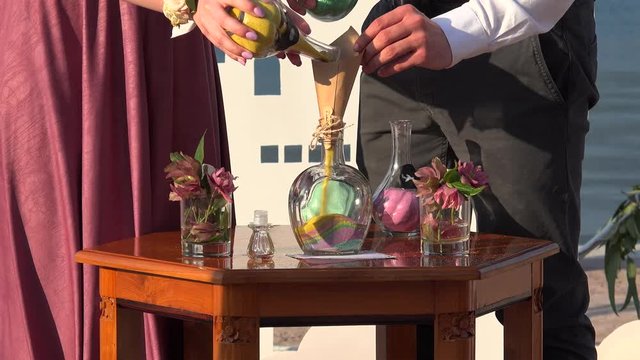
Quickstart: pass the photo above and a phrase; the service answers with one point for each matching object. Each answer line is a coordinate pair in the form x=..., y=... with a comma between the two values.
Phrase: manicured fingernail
x=356, y=47
x=251, y=35
x=247, y=55
x=258, y=11
x=242, y=61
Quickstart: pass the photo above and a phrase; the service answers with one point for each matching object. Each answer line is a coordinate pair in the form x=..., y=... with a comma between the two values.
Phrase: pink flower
x=429, y=178
x=204, y=231
x=185, y=166
x=185, y=187
x=472, y=175
x=448, y=198
x=221, y=181
x=436, y=170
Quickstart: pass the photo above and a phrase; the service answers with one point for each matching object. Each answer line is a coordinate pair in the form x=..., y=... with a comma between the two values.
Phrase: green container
x=332, y=10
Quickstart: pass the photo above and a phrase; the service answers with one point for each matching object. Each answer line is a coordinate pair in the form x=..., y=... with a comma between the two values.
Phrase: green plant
x=620, y=236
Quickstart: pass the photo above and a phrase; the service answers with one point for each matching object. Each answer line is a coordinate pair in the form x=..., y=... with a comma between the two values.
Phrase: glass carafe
x=330, y=204
x=276, y=32
x=395, y=205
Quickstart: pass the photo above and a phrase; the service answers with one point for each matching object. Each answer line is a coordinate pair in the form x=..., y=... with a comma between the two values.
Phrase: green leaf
x=451, y=176
x=467, y=189
x=629, y=295
x=631, y=281
x=626, y=245
x=627, y=299
x=192, y=4
x=635, y=190
x=633, y=226
x=629, y=208
x=611, y=267
x=619, y=209
x=176, y=156
x=199, y=155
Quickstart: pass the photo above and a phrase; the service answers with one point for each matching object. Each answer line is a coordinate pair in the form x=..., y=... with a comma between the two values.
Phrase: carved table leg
x=454, y=336
x=108, y=315
x=236, y=337
x=396, y=342
x=108, y=329
x=523, y=323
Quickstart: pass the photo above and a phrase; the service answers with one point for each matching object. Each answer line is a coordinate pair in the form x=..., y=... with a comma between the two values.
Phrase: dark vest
x=569, y=49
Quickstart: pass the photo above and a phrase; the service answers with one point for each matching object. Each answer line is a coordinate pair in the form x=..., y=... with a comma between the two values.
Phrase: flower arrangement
x=620, y=236
x=443, y=194
x=205, y=196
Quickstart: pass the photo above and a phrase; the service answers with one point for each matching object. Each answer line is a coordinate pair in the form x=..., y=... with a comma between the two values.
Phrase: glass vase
x=330, y=205
x=445, y=231
x=205, y=224
x=395, y=206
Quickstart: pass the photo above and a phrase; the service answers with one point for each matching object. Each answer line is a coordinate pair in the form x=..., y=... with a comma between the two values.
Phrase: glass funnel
x=395, y=205
x=330, y=205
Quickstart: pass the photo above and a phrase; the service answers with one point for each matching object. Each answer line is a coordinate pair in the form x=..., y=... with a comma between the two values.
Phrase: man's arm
x=481, y=26
x=404, y=37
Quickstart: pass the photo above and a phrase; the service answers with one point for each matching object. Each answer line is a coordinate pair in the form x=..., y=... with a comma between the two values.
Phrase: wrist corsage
x=180, y=14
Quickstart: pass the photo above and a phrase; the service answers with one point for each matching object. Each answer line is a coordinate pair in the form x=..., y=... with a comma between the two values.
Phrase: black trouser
x=504, y=111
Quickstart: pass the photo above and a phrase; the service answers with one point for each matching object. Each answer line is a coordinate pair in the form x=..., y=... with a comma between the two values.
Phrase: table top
x=160, y=254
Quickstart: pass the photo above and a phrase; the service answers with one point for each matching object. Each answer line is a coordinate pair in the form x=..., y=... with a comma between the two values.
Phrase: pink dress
x=94, y=95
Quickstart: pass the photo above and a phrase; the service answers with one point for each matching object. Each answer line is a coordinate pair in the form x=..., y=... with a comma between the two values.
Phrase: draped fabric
x=94, y=95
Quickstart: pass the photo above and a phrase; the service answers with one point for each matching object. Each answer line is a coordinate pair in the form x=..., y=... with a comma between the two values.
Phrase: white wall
x=286, y=119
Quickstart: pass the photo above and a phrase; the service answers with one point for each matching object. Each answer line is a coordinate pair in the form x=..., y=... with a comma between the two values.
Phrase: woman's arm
x=215, y=23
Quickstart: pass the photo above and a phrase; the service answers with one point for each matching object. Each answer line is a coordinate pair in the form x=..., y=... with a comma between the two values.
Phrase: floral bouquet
x=205, y=199
x=445, y=210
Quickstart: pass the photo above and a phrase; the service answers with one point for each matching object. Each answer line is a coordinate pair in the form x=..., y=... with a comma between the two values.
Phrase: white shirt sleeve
x=481, y=26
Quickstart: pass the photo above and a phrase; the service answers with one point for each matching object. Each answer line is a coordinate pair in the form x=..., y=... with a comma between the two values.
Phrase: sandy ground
x=603, y=318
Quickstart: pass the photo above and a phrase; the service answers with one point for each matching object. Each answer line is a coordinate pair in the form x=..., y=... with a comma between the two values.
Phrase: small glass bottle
x=395, y=205
x=330, y=204
x=276, y=32
x=260, y=244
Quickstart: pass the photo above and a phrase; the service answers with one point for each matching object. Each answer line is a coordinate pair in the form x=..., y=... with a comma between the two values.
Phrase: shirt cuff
x=467, y=38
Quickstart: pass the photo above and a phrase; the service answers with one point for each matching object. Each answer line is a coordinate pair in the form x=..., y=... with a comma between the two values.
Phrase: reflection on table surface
x=162, y=251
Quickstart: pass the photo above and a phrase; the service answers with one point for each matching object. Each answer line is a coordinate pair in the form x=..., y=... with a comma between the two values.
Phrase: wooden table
x=236, y=296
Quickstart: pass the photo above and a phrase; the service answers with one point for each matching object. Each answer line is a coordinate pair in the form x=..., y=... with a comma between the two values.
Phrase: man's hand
x=401, y=39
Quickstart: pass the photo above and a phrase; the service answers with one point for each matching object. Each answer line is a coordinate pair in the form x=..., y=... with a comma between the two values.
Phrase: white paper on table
x=366, y=255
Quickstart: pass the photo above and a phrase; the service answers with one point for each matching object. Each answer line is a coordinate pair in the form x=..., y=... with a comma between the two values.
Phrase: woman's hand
x=401, y=39
x=301, y=24
x=215, y=22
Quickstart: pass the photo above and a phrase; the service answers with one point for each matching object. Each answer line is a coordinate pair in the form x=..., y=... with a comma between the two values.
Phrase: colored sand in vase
x=399, y=211
x=332, y=233
x=330, y=197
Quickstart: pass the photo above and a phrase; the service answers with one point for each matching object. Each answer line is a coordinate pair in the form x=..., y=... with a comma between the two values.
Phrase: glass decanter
x=330, y=204
x=277, y=32
x=395, y=205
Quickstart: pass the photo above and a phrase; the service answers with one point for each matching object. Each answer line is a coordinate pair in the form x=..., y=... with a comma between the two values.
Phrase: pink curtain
x=93, y=97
